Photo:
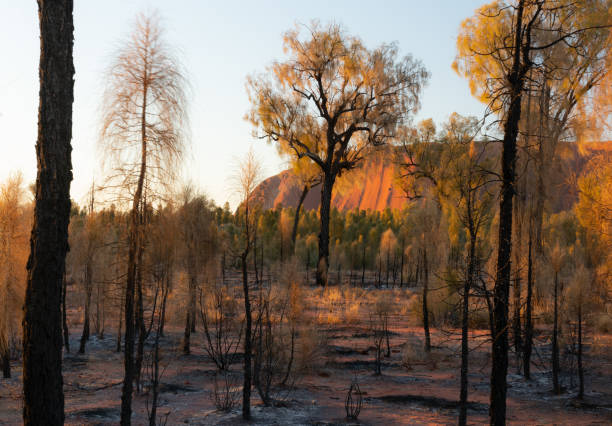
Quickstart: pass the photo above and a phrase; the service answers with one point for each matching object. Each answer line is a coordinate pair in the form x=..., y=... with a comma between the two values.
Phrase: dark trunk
x=188, y=316
x=580, y=366
x=100, y=317
x=425, y=308
x=307, y=265
x=363, y=262
x=246, y=390
x=43, y=396
x=387, y=269
x=291, y=356
x=133, y=251
x=516, y=318
x=246, y=387
x=66, y=332
x=281, y=241
x=155, y=366
x=255, y=260
x=471, y=274
x=401, y=281
x=223, y=268
x=88, y=284
x=122, y=303
x=296, y=219
x=387, y=338
x=555, y=342
x=527, y=344
x=499, y=365
x=6, y=362
x=142, y=335
x=162, y=317
x=379, y=270
x=155, y=382
x=126, y=392
x=326, y=195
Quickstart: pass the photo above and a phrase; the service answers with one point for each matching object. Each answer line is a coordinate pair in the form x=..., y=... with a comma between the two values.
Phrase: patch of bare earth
x=424, y=391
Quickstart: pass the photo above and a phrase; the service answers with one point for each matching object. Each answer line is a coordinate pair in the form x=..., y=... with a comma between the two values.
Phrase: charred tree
x=43, y=401
x=528, y=341
x=425, y=305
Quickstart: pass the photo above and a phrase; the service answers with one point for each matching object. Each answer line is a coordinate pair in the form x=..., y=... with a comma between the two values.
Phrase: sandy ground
x=425, y=393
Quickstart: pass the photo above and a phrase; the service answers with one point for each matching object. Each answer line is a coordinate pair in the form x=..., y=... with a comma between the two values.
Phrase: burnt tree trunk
x=516, y=318
x=401, y=281
x=142, y=334
x=188, y=316
x=555, y=341
x=471, y=273
x=121, y=304
x=246, y=390
x=296, y=219
x=6, y=362
x=133, y=251
x=326, y=195
x=516, y=79
x=580, y=365
x=162, y=315
x=528, y=341
x=155, y=373
x=248, y=349
x=43, y=397
x=363, y=262
x=88, y=288
x=425, y=307
x=66, y=332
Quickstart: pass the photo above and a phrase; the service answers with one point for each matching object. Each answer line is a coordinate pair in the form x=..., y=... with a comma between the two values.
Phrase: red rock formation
x=374, y=185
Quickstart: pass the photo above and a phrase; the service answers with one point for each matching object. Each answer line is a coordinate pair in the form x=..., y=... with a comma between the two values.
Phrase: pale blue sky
x=221, y=42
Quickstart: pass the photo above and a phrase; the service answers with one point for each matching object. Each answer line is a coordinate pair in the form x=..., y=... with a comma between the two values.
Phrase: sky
x=219, y=43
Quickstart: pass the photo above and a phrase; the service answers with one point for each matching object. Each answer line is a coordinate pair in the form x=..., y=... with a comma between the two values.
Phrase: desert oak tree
x=330, y=101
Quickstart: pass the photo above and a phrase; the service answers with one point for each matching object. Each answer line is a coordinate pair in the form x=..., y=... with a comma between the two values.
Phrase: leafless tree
x=246, y=180
x=198, y=236
x=143, y=124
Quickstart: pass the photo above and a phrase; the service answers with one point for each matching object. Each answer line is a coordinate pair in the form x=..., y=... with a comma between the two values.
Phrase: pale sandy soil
x=425, y=394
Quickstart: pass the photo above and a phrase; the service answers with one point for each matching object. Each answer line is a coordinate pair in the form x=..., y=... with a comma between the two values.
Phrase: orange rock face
x=375, y=185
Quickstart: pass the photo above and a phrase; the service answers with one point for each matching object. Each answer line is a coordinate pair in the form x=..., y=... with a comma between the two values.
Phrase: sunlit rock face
x=375, y=185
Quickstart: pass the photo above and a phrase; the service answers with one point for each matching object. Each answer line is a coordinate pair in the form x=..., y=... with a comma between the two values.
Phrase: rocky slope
x=375, y=186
